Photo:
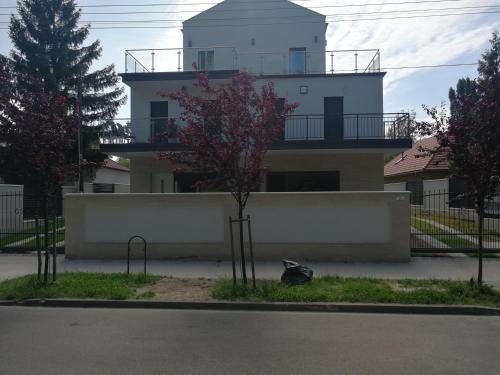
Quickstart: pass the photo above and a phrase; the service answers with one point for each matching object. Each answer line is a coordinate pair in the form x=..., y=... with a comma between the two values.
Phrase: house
x=324, y=198
x=111, y=177
x=335, y=141
x=419, y=171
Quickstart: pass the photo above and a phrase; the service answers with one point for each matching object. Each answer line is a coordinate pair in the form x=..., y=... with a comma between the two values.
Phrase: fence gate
x=446, y=223
x=25, y=225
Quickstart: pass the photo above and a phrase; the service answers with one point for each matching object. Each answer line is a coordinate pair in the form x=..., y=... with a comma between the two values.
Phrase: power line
x=288, y=23
x=261, y=9
x=279, y=17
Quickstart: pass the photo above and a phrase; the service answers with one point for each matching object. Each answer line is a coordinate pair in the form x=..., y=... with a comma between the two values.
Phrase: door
x=334, y=118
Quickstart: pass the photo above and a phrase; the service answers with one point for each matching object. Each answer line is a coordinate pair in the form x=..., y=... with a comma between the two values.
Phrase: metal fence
x=445, y=223
x=30, y=222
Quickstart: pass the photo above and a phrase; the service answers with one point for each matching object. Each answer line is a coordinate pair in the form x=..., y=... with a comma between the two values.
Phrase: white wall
x=362, y=94
x=317, y=226
x=235, y=23
x=112, y=176
x=397, y=186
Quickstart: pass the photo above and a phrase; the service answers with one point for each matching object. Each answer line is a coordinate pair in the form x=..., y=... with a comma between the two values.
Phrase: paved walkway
x=418, y=268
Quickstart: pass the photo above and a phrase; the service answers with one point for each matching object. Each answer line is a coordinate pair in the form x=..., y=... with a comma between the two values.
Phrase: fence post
x=152, y=61
x=54, y=247
x=38, y=246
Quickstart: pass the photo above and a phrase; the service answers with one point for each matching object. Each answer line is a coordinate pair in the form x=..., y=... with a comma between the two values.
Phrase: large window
x=206, y=60
x=159, y=117
x=303, y=181
x=297, y=60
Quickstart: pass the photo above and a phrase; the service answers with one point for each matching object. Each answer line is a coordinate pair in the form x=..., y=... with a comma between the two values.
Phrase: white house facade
x=335, y=140
x=323, y=198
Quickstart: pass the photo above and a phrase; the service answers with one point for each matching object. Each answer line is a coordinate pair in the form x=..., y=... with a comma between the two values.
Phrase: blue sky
x=402, y=42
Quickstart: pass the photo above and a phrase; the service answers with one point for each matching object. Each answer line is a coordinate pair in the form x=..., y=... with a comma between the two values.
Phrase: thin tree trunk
x=242, y=241
x=480, y=246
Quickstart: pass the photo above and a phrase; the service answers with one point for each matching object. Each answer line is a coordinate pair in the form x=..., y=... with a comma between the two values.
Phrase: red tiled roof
x=408, y=162
x=111, y=164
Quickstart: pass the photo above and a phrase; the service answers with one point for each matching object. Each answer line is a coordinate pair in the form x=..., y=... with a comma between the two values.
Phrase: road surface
x=113, y=341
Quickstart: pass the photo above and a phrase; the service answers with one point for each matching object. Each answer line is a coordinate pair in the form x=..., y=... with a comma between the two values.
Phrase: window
x=159, y=117
x=206, y=60
x=303, y=181
x=297, y=60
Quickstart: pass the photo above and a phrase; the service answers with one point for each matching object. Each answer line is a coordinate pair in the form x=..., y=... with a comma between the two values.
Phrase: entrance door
x=334, y=118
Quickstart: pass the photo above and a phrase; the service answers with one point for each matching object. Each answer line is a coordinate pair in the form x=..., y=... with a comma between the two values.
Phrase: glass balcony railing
x=294, y=62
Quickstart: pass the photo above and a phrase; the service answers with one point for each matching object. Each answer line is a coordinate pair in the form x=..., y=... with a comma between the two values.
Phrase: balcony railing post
x=153, y=61
x=331, y=62
x=356, y=62
x=126, y=62
x=357, y=127
x=307, y=127
x=179, y=60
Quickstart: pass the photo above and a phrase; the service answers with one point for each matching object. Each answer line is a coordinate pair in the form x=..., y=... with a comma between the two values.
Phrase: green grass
x=339, y=289
x=463, y=225
x=452, y=240
x=29, y=232
x=77, y=285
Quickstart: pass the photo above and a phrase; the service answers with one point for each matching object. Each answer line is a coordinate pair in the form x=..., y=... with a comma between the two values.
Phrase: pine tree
x=49, y=44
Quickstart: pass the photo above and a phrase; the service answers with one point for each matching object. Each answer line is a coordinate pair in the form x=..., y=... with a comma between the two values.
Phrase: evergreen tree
x=49, y=44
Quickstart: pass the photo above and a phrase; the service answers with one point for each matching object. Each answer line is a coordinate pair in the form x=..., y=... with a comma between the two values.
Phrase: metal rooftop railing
x=214, y=58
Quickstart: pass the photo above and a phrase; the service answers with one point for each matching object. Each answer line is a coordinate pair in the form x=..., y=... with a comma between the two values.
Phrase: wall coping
x=304, y=193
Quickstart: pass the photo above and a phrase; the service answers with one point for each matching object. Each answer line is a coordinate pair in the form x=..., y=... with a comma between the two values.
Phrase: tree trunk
x=480, y=245
x=242, y=243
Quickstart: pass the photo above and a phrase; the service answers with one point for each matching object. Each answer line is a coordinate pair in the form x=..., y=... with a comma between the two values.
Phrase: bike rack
x=128, y=252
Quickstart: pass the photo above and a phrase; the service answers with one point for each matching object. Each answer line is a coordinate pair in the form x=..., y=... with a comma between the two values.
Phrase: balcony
x=293, y=62
x=387, y=130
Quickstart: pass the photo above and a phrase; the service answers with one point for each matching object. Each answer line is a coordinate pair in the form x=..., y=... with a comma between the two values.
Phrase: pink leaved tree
x=37, y=130
x=471, y=134
x=226, y=131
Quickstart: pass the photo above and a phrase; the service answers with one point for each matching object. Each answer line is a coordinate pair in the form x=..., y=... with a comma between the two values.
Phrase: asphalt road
x=113, y=341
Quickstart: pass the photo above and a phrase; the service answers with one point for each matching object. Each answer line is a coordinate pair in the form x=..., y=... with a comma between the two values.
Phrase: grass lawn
x=452, y=240
x=26, y=236
x=339, y=289
x=77, y=285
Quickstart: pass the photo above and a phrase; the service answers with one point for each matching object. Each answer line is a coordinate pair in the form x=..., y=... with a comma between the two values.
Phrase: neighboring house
x=423, y=174
x=336, y=139
x=111, y=177
x=409, y=169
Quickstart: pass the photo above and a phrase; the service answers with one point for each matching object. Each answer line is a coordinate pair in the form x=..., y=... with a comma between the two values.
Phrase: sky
x=418, y=41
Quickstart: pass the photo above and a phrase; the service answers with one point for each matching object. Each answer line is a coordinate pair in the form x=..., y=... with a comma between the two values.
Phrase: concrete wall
x=397, y=186
x=343, y=226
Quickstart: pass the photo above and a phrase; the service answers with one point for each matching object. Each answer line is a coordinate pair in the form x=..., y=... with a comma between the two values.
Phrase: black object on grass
x=295, y=273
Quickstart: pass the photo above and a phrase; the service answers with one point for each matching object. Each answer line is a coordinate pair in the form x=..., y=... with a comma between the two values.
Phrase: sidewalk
x=418, y=268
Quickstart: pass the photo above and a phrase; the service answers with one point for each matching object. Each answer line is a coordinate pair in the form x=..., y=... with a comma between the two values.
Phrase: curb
x=266, y=306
